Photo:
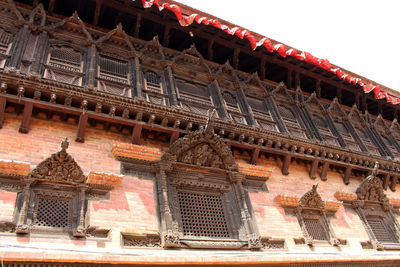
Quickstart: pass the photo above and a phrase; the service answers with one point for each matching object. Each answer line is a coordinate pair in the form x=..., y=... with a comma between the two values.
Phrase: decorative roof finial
x=209, y=120
x=64, y=144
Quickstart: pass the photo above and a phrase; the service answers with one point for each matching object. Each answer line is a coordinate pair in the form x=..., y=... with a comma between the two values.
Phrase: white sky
x=360, y=36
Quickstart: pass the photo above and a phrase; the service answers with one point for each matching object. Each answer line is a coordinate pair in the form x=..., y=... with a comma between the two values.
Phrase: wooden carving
x=59, y=167
x=312, y=199
x=202, y=148
x=371, y=188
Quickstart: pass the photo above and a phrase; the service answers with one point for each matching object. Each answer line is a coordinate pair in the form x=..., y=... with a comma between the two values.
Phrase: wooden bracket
x=136, y=133
x=314, y=168
x=26, y=117
x=386, y=181
x=174, y=136
x=286, y=163
x=80, y=136
x=346, y=177
x=254, y=156
x=324, y=171
x=393, y=183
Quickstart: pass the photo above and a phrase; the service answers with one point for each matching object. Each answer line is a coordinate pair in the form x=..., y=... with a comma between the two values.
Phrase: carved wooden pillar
x=19, y=48
x=328, y=229
x=249, y=113
x=168, y=237
x=39, y=55
x=210, y=51
x=22, y=227
x=252, y=233
x=307, y=236
x=137, y=25
x=218, y=100
x=80, y=230
x=318, y=88
x=166, y=35
x=92, y=66
x=138, y=75
x=262, y=68
x=172, y=88
x=289, y=78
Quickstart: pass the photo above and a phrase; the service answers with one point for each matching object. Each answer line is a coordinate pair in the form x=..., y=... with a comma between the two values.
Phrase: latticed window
x=315, y=229
x=113, y=67
x=153, y=81
x=52, y=213
x=230, y=99
x=202, y=215
x=320, y=122
x=286, y=113
x=65, y=58
x=341, y=128
x=5, y=41
x=381, y=230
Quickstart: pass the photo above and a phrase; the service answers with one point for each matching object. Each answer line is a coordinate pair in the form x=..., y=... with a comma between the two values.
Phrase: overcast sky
x=360, y=36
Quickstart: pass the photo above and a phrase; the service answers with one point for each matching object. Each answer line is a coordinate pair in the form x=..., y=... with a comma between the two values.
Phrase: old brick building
x=297, y=166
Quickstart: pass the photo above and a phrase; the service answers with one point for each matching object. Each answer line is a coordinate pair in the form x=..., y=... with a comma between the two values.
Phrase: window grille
x=52, y=213
x=112, y=66
x=202, y=215
x=65, y=58
x=286, y=113
x=153, y=81
x=191, y=89
x=380, y=230
x=230, y=99
x=320, y=122
x=315, y=229
x=341, y=128
x=5, y=40
x=362, y=134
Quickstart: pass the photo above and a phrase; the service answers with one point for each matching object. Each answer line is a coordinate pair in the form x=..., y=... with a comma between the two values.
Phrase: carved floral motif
x=312, y=199
x=59, y=167
x=371, y=188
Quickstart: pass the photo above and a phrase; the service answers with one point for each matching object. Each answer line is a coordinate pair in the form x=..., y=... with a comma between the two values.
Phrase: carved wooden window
x=5, y=42
x=194, y=97
x=113, y=76
x=323, y=128
x=376, y=213
x=291, y=121
x=154, y=88
x=312, y=218
x=199, y=204
x=262, y=114
x=64, y=64
x=390, y=143
x=367, y=141
x=348, y=138
x=233, y=107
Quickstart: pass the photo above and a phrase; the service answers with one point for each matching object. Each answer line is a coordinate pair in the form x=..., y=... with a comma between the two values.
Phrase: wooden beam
x=210, y=51
x=254, y=156
x=346, y=177
x=314, y=168
x=324, y=171
x=318, y=88
x=235, y=62
x=262, y=68
x=80, y=136
x=286, y=163
x=97, y=12
x=2, y=110
x=167, y=31
x=26, y=118
x=136, y=133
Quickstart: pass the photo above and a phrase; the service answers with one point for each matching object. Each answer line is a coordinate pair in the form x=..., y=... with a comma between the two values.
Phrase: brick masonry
x=131, y=206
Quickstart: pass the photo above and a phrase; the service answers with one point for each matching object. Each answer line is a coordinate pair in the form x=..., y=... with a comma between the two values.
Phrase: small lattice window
x=202, y=215
x=65, y=58
x=153, y=81
x=230, y=99
x=362, y=134
x=387, y=141
x=341, y=128
x=5, y=41
x=315, y=229
x=286, y=113
x=381, y=230
x=191, y=89
x=52, y=213
x=112, y=66
x=320, y=122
